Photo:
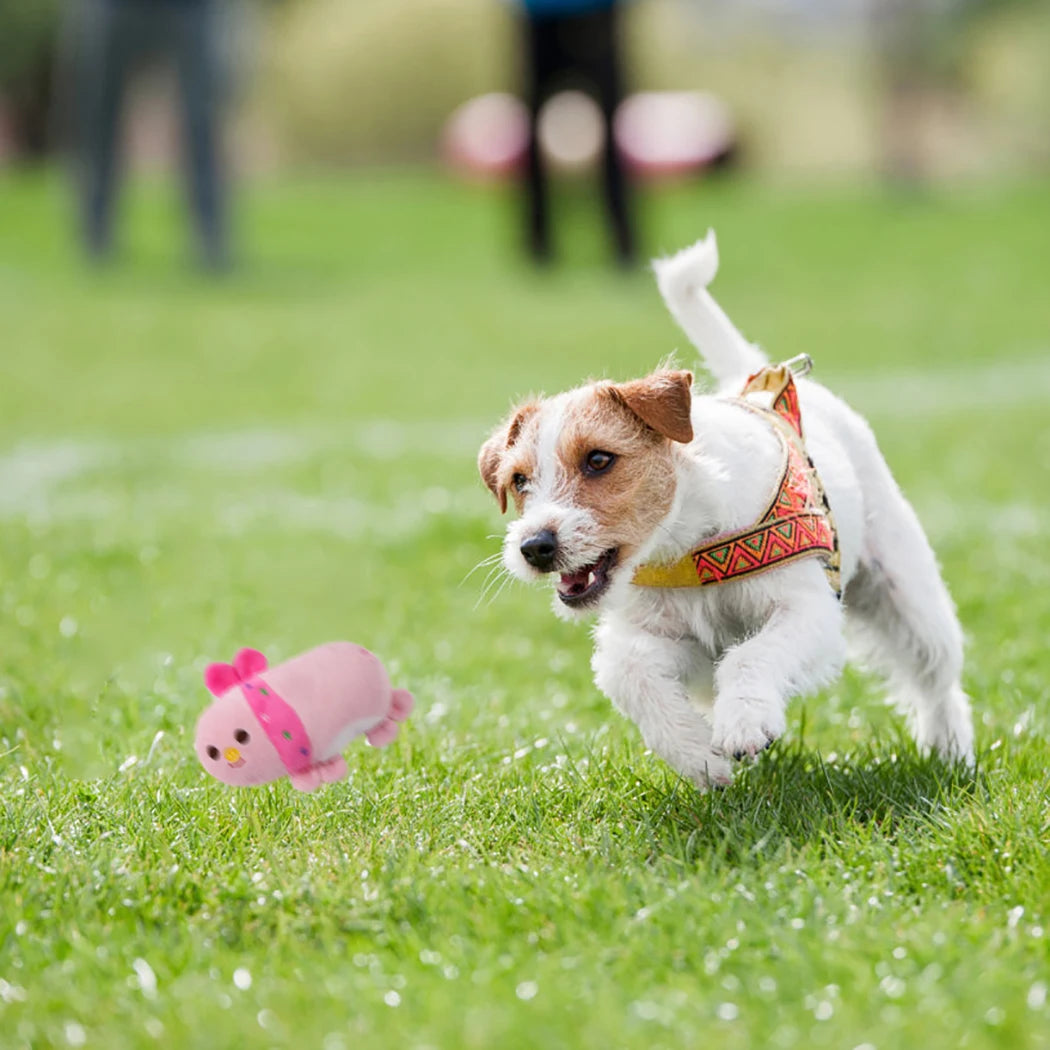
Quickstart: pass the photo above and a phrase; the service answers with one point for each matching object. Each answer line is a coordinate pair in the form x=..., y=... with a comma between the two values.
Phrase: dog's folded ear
x=488, y=464
x=490, y=458
x=662, y=401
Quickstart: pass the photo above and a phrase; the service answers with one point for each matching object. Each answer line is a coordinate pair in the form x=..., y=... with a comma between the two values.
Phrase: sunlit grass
x=287, y=456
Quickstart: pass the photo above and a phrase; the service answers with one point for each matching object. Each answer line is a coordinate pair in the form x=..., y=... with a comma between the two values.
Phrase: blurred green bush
x=373, y=79
x=332, y=82
x=28, y=32
x=28, y=43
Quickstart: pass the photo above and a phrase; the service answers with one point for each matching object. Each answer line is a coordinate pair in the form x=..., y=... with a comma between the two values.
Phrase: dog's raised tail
x=683, y=279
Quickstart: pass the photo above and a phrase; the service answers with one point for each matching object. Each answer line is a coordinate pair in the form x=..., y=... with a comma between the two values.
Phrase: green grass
x=287, y=456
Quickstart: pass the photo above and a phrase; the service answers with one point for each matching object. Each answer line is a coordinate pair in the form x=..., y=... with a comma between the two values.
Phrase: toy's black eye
x=597, y=461
x=213, y=752
x=519, y=481
x=241, y=736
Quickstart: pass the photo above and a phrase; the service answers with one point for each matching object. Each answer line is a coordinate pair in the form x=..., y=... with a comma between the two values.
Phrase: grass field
x=287, y=456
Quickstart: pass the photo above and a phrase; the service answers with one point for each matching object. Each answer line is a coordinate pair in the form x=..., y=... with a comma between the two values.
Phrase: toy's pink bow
x=219, y=678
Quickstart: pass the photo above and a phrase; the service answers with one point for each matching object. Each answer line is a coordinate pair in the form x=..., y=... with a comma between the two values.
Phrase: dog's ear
x=662, y=401
x=490, y=457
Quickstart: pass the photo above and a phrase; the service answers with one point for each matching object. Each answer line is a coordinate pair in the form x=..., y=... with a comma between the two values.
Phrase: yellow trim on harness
x=797, y=522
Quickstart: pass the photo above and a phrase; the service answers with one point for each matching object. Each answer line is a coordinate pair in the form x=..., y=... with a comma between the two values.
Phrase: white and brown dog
x=620, y=485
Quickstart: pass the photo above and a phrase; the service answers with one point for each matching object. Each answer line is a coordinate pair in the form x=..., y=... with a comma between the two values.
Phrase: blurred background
x=905, y=89
x=270, y=272
x=268, y=276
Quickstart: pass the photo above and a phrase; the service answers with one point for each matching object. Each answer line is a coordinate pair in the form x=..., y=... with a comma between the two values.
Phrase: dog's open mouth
x=586, y=585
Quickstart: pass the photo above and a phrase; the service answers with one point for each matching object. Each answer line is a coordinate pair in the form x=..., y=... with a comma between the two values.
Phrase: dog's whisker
x=491, y=579
x=490, y=560
x=494, y=573
x=506, y=580
x=498, y=580
x=664, y=529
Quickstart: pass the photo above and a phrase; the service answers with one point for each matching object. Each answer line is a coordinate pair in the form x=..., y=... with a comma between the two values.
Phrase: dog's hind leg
x=901, y=617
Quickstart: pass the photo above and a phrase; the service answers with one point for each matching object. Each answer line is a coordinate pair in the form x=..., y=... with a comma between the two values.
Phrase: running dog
x=727, y=543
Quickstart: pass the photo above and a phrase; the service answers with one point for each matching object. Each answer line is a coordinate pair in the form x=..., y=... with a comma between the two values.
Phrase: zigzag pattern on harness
x=797, y=522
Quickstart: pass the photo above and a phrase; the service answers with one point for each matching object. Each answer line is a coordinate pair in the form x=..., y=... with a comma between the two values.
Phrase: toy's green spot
x=287, y=735
x=264, y=692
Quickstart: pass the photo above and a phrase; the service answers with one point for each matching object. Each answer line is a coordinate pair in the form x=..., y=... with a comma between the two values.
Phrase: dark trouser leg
x=540, y=44
x=539, y=238
x=199, y=90
x=614, y=180
x=105, y=56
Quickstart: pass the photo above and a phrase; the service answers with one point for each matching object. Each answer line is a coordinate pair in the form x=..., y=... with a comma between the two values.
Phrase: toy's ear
x=220, y=678
x=490, y=458
x=662, y=401
x=249, y=662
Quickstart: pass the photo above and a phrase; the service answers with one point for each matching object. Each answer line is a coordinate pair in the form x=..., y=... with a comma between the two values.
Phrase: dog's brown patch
x=638, y=422
x=630, y=498
x=663, y=401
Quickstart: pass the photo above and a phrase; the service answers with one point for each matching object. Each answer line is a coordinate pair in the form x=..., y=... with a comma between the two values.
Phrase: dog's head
x=591, y=473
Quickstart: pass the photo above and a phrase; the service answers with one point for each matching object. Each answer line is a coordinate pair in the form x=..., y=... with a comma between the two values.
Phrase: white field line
x=347, y=518
x=929, y=393
x=72, y=479
x=377, y=440
x=69, y=480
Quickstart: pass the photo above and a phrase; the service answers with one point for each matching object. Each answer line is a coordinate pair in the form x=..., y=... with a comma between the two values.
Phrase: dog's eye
x=597, y=461
x=519, y=481
x=241, y=736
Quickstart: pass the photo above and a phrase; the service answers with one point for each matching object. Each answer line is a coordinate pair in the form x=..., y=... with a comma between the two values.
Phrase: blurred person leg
x=108, y=34
x=581, y=47
x=543, y=61
x=905, y=42
x=197, y=64
x=603, y=46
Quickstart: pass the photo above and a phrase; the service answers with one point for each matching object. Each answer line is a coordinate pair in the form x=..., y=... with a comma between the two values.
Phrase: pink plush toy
x=296, y=718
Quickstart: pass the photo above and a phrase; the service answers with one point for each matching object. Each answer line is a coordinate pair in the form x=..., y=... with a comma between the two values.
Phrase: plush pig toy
x=295, y=719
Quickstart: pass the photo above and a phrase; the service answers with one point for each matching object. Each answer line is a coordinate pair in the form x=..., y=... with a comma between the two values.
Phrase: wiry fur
x=706, y=673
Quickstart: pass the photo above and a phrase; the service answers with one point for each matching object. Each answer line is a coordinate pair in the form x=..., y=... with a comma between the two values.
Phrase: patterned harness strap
x=797, y=522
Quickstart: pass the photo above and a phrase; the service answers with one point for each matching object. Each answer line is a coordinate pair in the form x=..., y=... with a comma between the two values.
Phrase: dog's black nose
x=539, y=550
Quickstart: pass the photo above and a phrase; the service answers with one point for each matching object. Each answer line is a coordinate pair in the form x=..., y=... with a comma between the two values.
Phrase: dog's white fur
x=706, y=672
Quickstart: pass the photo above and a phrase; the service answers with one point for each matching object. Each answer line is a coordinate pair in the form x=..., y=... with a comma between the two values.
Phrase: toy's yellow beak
x=231, y=754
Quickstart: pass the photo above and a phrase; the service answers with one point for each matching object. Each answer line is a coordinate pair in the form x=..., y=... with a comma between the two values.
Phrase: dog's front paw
x=715, y=772
x=743, y=727
x=694, y=758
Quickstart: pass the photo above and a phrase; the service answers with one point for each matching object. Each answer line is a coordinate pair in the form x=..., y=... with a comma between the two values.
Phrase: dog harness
x=797, y=522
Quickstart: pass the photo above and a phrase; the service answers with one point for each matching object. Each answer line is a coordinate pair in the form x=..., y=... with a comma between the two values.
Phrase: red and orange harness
x=797, y=522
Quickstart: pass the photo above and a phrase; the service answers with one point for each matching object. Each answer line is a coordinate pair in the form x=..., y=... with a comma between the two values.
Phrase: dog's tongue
x=575, y=582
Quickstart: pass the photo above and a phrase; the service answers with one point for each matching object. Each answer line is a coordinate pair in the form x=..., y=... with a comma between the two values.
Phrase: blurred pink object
x=659, y=134
x=665, y=133
x=571, y=131
x=487, y=136
x=295, y=719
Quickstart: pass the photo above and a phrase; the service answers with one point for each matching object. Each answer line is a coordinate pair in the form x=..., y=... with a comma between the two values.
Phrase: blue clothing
x=548, y=8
